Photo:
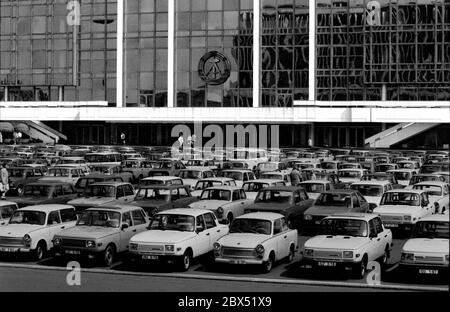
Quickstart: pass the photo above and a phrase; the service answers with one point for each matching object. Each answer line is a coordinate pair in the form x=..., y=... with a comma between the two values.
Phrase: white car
x=427, y=250
x=191, y=175
x=438, y=193
x=351, y=175
x=260, y=238
x=238, y=175
x=315, y=187
x=178, y=235
x=227, y=202
x=31, y=229
x=403, y=175
x=252, y=188
x=372, y=190
x=210, y=182
x=402, y=208
x=348, y=241
x=162, y=180
x=64, y=174
x=277, y=175
x=6, y=211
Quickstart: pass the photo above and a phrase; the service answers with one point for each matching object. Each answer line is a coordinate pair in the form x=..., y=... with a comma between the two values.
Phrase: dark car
x=156, y=198
x=290, y=201
x=21, y=176
x=333, y=202
x=436, y=167
x=83, y=182
x=44, y=193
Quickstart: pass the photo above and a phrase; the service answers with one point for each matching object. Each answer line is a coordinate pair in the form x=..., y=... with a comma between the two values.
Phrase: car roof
x=116, y=207
x=47, y=208
x=435, y=183
x=350, y=215
x=373, y=182
x=261, y=215
x=283, y=188
x=111, y=183
x=165, y=187
x=186, y=211
x=197, y=168
x=216, y=179
x=100, y=175
x=264, y=181
x=315, y=181
x=436, y=217
x=225, y=187
x=162, y=178
x=6, y=203
x=49, y=182
x=406, y=191
x=340, y=191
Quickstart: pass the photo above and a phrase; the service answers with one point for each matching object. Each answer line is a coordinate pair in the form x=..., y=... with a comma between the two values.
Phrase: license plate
x=6, y=249
x=72, y=252
x=391, y=225
x=428, y=271
x=327, y=264
x=239, y=261
x=147, y=257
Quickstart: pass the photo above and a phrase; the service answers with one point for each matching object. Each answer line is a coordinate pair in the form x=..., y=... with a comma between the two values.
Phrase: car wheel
x=360, y=270
x=186, y=259
x=108, y=255
x=40, y=251
x=384, y=258
x=267, y=265
x=291, y=255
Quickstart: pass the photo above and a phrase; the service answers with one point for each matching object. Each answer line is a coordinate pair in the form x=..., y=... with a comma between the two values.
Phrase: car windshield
x=101, y=218
x=406, y=165
x=271, y=176
x=384, y=168
x=268, y=166
x=172, y=222
x=368, y=190
x=328, y=165
x=313, y=187
x=216, y=194
x=254, y=226
x=58, y=173
x=37, y=190
x=7, y=211
x=28, y=217
x=273, y=196
x=191, y=174
x=201, y=185
x=100, y=191
x=233, y=175
x=431, y=229
x=333, y=199
x=433, y=190
x=153, y=194
x=101, y=169
x=400, y=198
x=344, y=227
x=254, y=186
x=349, y=174
x=348, y=166
x=399, y=175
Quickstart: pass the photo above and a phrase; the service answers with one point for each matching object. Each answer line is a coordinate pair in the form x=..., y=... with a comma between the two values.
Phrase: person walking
x=180, y=141
x=4, y=180
x=295, y=176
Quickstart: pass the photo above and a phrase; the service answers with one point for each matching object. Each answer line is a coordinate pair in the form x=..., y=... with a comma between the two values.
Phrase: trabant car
x=101, y=232
x=139, y=168
x=438, y=194
x=227, y=202
x=276, y=175
x=383, y=176
x=85, y=181
x=7, y=208
x=330, y=166
x=112, y=170
x=161, y=180
x=426, y=252
x=348, y=241
x=191, y=175
x=386, y=167
x=31, y=229
x=372, y=190
x=102, y=193
x=426, y=177
x=203, y=184
x=401, y=209
x=259, y=238
x=178, y=236
x=156, y=198
x=408, y=164
x=240, y=176
x=252, y=188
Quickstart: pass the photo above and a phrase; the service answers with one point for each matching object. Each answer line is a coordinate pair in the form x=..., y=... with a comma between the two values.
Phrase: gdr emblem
x=214, y=68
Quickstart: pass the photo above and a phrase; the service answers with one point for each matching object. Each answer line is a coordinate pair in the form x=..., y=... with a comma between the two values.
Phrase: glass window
x=54, y=218
x=68, y=215
x=210, y=223
x=138, y=218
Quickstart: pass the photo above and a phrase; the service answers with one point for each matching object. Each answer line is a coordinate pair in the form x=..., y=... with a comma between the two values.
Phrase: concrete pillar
x=119, y=63
x=312, y=134
x=383, y=92
x=6, y=94
x=61, y=94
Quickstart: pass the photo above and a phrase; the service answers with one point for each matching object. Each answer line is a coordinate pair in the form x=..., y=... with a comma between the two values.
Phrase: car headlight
x=217, y=246
x=27, y=240
x=220, y=211
x=169, y=248
x=308, y=217
x=348, y=254
x=407, y=218
x=309, y=252
x=57, y=241
x=134, y=246
x=407, y=256
x=259, y=249
x=90, y=244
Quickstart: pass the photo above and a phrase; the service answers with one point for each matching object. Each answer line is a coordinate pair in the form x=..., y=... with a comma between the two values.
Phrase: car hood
x=163, y=237
x=94, y=201
x=426, y=245
x=326, y=210
x=336, y=242
x=31, y=200
x=87, y=232
x=269, y=206
x=208, y=204
x=243, y=240
x=396, y=209
x=18, y=230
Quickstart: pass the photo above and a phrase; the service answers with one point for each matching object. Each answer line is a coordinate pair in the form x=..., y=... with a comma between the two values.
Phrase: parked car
x=438, y=194
x=139, y=168
x=384, y=167
x=401, y=209
x=290, y=201
x=102, y=233
x=315, y=187
x=408, y=164
x=103, y=193
x=330, y=166
x=372, y=190
x=427, y=250
x=63, y=174
x=351, y=175
x=31, y=229
x=191, y=175
x=260, y=238
x=178, y=236
x=333, y=178
x=85, y=181
x=161, y=180
x=109, y=169
x=333, y=202
x=238, y=175
x=252, y=188
x=270, y=166
x=349, y=165
x=203, y=184
x=45, y=192
x=276, y=175
x=403, y=175
x=156, y=198
x=349, y=242
x=433, y=167
x=21, y=176
x=426, y=177
x=7, y=209
x=227, y=202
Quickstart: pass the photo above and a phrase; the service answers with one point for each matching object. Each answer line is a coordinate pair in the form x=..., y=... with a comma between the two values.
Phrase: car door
x=68, y=218
x=425, y=203
x=277, y=239
x=383, y=235
x=58, y=195
x=203, y=236
x=126, y=233
x=211, y=229
x=139, y=220
x=128, y=193
x=238, y=204
x=283, y=240
x=374, y=241
x=54, y=226
x=184, y=199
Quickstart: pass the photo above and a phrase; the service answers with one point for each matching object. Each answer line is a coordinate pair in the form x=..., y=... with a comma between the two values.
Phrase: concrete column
x=6, y=94
x=312, y=51
x=119, y=63
x=61, y=94
x=383, y=92
x=171, y=55
x=311, y=134
x=256, y=52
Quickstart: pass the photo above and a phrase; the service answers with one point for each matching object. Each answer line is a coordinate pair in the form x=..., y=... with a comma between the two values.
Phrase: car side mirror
x=124, y=226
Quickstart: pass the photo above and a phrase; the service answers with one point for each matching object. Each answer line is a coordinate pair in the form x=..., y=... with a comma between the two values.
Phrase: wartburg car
x=349, y=242
x=31, y=229
x=178, y=236
x=260, y=238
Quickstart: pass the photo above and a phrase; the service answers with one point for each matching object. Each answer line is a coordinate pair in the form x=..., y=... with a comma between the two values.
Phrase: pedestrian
x=180, y=141
x=295, y=176
x=4, y=180
x=122, y=138
x=310, y=142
